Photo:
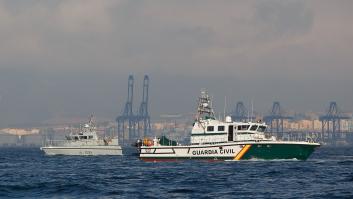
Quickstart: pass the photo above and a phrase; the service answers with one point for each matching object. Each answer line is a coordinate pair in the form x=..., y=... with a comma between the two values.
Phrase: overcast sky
x=72, y=58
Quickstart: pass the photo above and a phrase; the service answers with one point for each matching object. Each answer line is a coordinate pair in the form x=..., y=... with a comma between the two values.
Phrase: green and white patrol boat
x=212, y=139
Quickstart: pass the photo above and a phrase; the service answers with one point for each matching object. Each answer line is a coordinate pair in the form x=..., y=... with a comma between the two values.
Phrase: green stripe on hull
x=279, y=151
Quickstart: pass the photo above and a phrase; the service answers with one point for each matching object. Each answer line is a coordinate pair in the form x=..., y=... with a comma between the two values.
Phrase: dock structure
x=143, y=116
x=241, y=114
x=276, y=119
x=331, y=124
x=132, y=126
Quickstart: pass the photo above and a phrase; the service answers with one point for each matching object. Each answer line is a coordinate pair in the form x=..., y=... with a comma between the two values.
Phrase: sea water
x=28, y=173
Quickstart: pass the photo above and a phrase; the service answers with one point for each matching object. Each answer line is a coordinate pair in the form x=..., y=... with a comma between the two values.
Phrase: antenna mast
x=204, y=109
x=225, y=106
x=252, y=109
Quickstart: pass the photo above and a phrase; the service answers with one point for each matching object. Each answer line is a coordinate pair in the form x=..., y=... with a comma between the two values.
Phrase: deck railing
x=58, y=143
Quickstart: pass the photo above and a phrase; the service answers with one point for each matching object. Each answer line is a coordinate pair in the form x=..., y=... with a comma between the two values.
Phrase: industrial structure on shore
x=334, y=127
x=330, y=133
x=132, y=126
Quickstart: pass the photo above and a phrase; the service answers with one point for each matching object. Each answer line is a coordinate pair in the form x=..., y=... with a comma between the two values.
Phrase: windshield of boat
x=261, y=128
x=253, y=128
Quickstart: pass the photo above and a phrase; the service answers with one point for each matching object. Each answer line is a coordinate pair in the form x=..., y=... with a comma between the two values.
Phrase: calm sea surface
x=28, y=173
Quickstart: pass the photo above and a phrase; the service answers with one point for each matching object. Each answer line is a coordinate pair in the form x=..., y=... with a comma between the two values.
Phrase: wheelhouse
x=214, y=131
x=87, y=133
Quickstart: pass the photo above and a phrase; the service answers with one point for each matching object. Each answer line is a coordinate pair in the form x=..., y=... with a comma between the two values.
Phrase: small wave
x=264, y=160
x=181, y=191
x=350, y=179
x=114, y=193
x=345, y=162
x=274, y=160
x=45, y=188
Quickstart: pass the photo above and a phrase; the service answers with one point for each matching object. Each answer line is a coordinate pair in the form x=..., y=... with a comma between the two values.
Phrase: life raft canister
x=147, y=142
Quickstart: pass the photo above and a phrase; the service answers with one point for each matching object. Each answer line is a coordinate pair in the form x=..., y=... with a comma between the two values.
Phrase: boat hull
x=279, y=151
x=92, y=150
x=234, y=151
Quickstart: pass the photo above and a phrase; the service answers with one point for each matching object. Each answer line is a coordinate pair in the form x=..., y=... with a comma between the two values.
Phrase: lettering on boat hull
x=212, y=151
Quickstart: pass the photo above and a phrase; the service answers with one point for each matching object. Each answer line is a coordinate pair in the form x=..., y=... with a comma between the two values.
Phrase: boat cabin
x=87, y=132
x=215, y=131
x=208, y=130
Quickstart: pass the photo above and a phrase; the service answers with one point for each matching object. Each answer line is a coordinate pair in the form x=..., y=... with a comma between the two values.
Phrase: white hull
x=89, y=150
x=221, y=151
x=191, y=151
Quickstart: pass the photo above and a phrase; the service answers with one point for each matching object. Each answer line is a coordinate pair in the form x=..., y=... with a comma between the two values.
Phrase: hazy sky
x=72, y=58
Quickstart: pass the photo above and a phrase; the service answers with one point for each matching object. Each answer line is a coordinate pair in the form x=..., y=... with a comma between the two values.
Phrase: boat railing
x=71, y=142
x=55, y=142
x=211, y=140
x=300, y=137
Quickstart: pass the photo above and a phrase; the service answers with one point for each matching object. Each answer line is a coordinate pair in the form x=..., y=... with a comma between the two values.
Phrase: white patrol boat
x=213, y=139
x=86, y=142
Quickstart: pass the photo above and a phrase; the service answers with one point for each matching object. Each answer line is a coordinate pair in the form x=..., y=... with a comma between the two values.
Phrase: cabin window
x=220, y=128
x=90, y=137
x=243, y=127
x=210, y=128
x=76, y=138
x=83, y=137
x=253, y=128
x=261, y=128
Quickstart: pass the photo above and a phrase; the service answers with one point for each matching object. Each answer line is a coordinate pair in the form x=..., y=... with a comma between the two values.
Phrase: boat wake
x=265, y=160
